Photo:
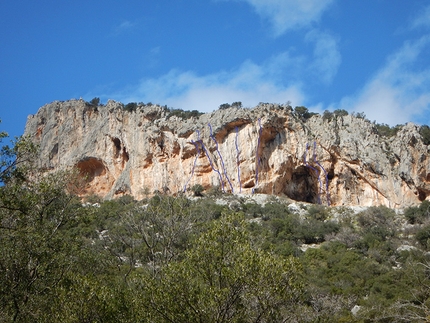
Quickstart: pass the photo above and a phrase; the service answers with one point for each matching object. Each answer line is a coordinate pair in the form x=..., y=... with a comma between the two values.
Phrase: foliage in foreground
x=171, y=259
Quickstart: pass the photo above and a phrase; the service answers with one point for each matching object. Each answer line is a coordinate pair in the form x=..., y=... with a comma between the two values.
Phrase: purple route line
x=194, y=165
x=210, y=160
x=326, y=176
x=319, y=177
x=257, y=159
x=316, y=171
x=238, y=160
x=220, y=157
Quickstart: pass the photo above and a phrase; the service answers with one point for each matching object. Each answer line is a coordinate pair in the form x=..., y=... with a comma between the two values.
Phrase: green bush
x=223, y=279
x=95, y=102
x=423, y=236
x=130, y=107
x=318, y=212
x=303, y=113
x=237, y=104
x=387, y=131
x=197, y=190
x=425, y=134
x=418, y=214
x=378, y=218
x=327, y=115
x=182, y=114
x=360, y=115
x=275, y=210
x=253, y=210
x=340, y=113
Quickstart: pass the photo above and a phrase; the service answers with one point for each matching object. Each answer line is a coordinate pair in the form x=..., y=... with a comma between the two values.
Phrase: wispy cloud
x=399, y=91
x=284, y=15
x=250, y=83
x=423, y=20
x=123, y=26
x=327, y=58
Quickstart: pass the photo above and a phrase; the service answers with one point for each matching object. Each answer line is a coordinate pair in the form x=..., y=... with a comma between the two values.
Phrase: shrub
x=314, y=231
x=197, y=190
x=132, y=106
x=425, y=134
x=340, y=113
x=275, y=210
x=359, y=115
x=423, y=236
x=417, y=214
x=376, y=218
x=253, y=210
x=387, y=131
x=182, y=114
x=224, y=106
x=237, y=104
x=327, y=115
x=95, y=102
x=318, y=212
x=303, y=113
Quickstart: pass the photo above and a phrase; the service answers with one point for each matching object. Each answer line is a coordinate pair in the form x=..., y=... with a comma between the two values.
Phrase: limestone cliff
x=267, y=149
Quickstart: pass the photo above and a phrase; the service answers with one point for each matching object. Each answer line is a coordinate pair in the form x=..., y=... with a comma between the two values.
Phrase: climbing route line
x=238, y=159
x=319, y=173
x=220, y=157
x=257, y=157
x=210, y=160
x=200, y=146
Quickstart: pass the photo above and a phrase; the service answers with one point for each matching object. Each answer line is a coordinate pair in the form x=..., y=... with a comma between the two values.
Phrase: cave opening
x=303, y=185
x=117, y=146
x=91, y=167
x=422, y=194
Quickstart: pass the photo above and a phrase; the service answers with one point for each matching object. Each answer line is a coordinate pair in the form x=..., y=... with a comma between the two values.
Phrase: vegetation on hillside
x=213, y=258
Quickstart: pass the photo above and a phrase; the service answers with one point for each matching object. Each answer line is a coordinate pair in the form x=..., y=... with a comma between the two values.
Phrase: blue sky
x=370, y=56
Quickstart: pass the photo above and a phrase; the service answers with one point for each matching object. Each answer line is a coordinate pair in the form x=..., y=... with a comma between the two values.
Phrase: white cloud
x=123, y=26
x=327, y=57
x=400, y=91
x=289, y=14
x=423, y=20
x=250, y=84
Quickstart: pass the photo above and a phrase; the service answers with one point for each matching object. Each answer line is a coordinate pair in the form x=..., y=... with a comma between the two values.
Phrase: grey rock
x=266, y=150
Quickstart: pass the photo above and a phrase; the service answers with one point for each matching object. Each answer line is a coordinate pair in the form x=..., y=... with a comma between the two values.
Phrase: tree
x=130, y=107
x=95, y=102
x=224, y=106
x=359, y=115
x=236, y=104
x=152, y=235
x=387, y=131
x=340, y=113
x=15, y=160
x=303, y=113
x=197, y=190
x=222, y=278
x=37, y=246
x=327, y=115
x=425, y=134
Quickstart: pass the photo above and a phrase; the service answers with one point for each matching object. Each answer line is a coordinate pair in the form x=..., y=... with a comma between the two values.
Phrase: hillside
x=219, y=257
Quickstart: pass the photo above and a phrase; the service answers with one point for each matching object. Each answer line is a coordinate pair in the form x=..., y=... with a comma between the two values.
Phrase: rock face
x=267, y=149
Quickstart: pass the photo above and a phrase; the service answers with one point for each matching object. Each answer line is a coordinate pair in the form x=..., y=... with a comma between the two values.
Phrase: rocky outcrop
x=267, y=149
